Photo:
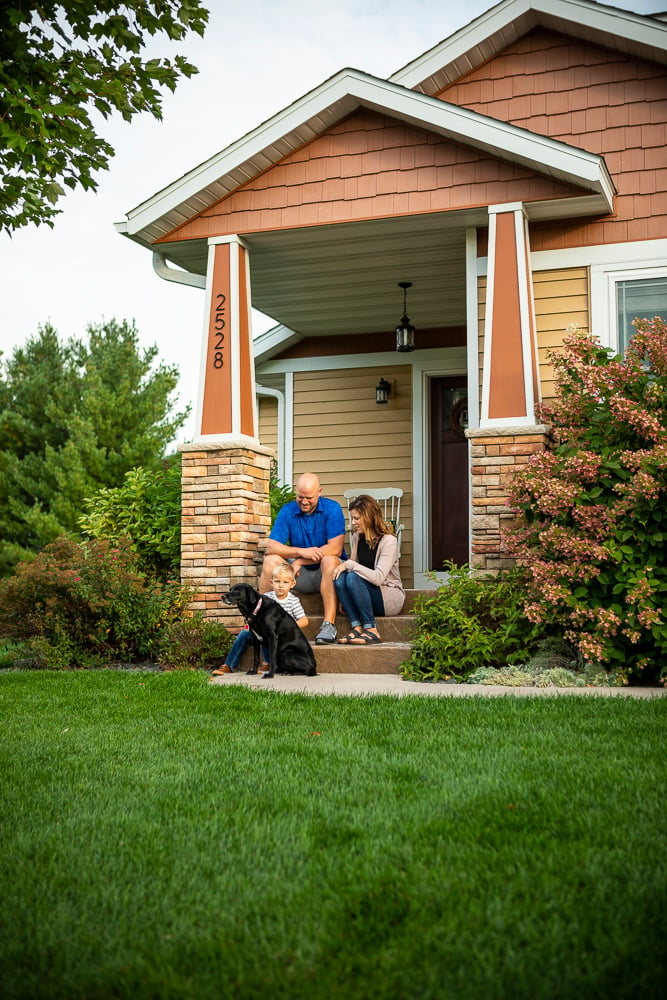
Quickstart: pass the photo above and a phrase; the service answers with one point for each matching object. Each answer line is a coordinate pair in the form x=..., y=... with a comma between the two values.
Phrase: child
x=283, y=581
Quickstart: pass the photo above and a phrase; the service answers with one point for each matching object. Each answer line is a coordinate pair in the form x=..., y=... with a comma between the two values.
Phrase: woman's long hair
x=375, y=525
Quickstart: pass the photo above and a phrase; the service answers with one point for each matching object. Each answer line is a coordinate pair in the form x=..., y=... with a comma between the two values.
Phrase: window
x=643, y=298
x=622, y=292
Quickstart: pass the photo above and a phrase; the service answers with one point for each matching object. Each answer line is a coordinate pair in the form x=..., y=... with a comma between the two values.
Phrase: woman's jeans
x=239, y=646
x=361, y=600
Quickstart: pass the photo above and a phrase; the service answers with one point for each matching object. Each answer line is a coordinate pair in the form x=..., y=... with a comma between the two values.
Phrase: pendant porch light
x=405, y=331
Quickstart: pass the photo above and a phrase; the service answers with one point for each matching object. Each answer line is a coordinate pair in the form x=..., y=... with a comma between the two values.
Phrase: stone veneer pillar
x=495, y=454
x=225, y=515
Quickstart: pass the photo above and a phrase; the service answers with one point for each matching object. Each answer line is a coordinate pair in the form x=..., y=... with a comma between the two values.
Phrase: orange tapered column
x=507, y=435
x=225, y=480
x=226, y=408
x=510, y=383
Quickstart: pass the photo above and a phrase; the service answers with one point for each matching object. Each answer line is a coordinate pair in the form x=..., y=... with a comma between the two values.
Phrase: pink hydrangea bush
x=592, y=513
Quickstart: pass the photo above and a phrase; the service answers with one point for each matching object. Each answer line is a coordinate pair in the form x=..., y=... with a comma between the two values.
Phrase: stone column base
x=495, y=454
x=225, y=514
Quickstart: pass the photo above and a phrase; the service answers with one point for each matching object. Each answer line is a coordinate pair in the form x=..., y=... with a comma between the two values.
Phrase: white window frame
x=604, y=279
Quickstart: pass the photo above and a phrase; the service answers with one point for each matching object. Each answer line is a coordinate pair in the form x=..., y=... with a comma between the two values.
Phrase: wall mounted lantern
x=405, y=332
x=382, y=390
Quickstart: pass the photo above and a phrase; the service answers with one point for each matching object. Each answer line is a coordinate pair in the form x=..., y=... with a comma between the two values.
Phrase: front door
x=450, y=528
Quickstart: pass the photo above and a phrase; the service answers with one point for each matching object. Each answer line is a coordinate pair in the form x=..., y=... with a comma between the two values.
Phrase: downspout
x=262, y=390
x=163, y=270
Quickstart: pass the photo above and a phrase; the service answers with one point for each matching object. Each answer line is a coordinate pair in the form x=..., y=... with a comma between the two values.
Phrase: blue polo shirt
x=305, y=531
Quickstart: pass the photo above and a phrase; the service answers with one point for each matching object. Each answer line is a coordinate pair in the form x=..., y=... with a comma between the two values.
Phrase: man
x=309, y=533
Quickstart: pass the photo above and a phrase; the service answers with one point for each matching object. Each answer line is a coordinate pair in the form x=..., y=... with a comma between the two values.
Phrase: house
x=505, y=185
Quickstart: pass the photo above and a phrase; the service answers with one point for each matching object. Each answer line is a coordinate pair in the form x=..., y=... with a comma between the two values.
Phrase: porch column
x=508, y=433
x=495, y=454
x=227, y=406
x=225, y=478
x=225, y=514
x=510, y=382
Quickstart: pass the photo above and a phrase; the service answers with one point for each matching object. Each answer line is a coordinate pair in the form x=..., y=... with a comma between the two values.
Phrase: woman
x=369, y=583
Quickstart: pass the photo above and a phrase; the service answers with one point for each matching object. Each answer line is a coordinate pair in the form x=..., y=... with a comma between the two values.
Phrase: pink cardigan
x=385, y=574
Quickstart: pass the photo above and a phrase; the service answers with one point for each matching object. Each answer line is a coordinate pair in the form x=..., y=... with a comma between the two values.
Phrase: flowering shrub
x=82, y=605
x=470, y=623
x=592, y=523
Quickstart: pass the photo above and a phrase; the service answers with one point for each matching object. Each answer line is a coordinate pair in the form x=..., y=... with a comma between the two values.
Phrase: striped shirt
x=292, y=605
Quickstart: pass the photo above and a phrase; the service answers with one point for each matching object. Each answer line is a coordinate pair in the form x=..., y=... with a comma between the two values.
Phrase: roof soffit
x=633, y=34
x=338, y=97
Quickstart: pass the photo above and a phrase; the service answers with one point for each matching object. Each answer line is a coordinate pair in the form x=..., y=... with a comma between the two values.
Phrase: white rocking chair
x=389, y=499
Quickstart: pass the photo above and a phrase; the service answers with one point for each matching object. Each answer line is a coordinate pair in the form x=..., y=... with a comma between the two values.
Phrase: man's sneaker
x=326, y=634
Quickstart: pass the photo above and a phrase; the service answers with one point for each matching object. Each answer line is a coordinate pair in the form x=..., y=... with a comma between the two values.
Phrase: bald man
x=309, y=533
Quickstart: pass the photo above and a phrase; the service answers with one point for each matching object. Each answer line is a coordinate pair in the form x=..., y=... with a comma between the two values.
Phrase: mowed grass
x=166, y=838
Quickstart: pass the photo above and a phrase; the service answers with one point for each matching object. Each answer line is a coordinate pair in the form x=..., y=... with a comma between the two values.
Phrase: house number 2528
x=219, y=331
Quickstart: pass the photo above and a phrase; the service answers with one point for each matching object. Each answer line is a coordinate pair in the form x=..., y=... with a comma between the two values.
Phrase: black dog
x=271, y=626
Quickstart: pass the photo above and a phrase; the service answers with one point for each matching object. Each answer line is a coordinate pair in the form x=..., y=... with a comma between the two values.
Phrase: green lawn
x=166, y=838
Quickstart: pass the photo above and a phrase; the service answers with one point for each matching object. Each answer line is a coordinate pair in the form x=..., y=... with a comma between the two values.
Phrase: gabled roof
x=638, y=35
x=334, y=100
x=367, y=256
x=407, y=96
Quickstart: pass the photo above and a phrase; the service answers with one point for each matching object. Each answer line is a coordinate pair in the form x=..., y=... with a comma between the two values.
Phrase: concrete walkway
x=392, y=684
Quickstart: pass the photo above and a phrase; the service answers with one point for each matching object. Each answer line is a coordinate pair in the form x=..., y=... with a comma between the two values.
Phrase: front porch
x=317, y=410
x=318, y=218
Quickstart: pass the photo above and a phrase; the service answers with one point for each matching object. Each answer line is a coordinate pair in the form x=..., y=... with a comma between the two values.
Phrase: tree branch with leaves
x=60, y=62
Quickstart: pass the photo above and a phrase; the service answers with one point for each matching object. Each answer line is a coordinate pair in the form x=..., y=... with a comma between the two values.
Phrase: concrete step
x=384, y=658
x=396, y=629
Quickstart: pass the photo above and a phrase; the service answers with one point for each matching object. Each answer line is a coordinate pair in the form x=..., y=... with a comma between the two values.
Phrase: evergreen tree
x=75, y=417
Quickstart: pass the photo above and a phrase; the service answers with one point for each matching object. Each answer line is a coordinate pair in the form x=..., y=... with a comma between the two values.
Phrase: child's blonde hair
x=284, y=569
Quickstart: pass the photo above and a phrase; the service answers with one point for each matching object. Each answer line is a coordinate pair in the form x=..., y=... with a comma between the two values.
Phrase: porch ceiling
x=343, y=279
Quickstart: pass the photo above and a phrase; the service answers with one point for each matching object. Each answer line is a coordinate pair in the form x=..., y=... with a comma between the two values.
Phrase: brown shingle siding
x=370, y=166
x=602, y=101
x=345, y=174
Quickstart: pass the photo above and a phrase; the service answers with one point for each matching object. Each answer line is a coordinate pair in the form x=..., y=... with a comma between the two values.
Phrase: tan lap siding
x=561, y=300
x=342, y=434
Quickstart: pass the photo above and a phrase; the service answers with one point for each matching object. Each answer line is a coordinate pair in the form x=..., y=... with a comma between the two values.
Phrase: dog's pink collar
x=258, y=606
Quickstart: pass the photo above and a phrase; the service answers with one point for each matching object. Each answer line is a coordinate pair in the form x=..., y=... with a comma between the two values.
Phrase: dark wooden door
x=449, y=472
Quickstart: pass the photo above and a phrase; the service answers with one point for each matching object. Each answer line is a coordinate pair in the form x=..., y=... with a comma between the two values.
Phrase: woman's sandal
x=348, y=639
x=365, y=638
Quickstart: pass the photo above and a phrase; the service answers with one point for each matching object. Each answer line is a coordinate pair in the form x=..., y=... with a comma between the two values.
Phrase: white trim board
x=386, y=359
x=609, y=254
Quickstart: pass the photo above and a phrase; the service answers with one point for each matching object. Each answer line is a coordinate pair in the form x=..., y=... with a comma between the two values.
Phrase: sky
x=255, y=59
